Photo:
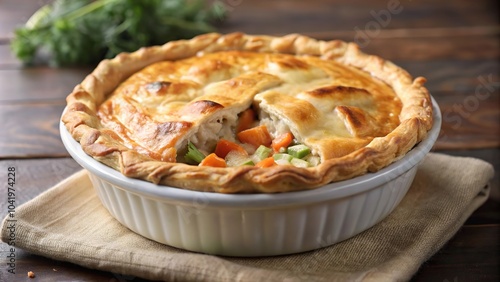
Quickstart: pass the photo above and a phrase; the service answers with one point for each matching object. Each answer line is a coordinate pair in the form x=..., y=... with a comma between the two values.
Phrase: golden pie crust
x=357, y=112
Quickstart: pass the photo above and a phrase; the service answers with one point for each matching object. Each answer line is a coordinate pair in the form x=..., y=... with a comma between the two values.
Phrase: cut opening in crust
x=369, y=154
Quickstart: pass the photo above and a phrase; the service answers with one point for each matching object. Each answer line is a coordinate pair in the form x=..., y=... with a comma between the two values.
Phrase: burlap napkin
x=68, y=223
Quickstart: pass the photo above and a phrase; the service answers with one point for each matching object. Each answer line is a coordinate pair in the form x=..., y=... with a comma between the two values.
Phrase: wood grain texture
x=34, y=176
x=455, y=76
x=475, y=255
x=14, y=13
x=48, y=270
x=279, y=17
x=316, y=16
x=470, y=121
x=444, y=48
x=453, y=43
x=488, y=213
x=7, y=59
x=31, y=130
x=34, y=84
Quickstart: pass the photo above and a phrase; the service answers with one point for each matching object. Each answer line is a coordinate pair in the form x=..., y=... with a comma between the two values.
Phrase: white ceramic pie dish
x=253, y=224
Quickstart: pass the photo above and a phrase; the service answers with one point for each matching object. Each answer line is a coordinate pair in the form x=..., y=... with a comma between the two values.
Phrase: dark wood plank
x=31, y=130
x=364, y=38
x=34, y=176
x=48, y=270
x=7, y=59
x=470, y=120
x=442, y=48
x=491, y=156
x=278, y=17
x=35, y=84
x=14, y=13
x=472, y=255
x=489, y=211
x=455, y=76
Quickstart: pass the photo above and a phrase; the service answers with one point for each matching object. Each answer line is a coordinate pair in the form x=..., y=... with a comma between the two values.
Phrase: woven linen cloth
x=68, y=223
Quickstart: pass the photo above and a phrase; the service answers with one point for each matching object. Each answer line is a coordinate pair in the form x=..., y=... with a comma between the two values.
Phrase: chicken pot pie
x=239, y=113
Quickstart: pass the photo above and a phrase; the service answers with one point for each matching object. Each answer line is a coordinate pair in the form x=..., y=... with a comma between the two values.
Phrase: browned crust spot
x=82, y=122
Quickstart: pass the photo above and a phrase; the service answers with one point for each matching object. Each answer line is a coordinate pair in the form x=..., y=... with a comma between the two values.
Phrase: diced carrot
x=255, y=136
x=224, y=146
x=246, y=119
x=267, y=162
x=282, y=141
x=213, y=160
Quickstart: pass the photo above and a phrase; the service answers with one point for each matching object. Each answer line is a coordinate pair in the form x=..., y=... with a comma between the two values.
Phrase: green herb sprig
x=83, y=32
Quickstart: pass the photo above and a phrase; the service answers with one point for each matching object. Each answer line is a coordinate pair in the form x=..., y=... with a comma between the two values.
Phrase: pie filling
x=282, y=114
x=236, y=108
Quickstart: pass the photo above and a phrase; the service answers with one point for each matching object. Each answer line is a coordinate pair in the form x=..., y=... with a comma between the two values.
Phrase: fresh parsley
x=83, y=32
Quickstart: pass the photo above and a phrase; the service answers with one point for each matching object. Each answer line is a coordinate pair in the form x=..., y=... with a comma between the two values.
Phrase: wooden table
x=454, y=44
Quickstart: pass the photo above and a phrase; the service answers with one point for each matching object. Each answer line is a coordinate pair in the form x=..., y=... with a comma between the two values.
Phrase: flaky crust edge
x=80, y=117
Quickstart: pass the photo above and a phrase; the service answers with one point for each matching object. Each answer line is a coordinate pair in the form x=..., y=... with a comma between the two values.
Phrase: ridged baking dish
x=254, y=224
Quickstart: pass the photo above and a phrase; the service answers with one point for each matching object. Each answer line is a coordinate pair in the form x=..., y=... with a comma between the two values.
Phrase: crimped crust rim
x=81, y=120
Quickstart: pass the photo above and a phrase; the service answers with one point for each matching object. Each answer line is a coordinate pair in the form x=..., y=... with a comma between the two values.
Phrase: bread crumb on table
x=31, y=274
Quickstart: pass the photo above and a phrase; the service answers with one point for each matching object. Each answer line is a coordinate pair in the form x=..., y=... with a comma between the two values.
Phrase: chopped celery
x=299, y=151
x=235, y=158
x=283, y=156
x=262, y=152
x=247, y=162
x=313, y=160
x=282, y=159
x=193, y=154
x=300, y=162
